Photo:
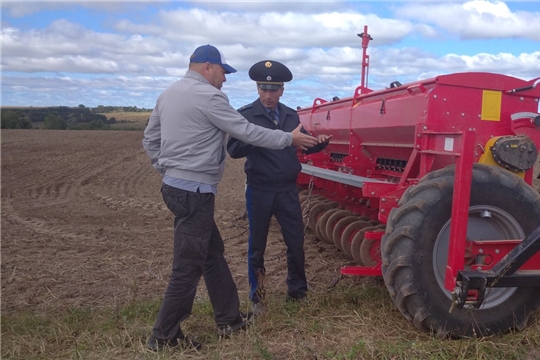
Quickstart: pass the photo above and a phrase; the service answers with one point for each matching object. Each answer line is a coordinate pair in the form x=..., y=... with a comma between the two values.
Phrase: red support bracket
x=460, y=211
x=362, y=270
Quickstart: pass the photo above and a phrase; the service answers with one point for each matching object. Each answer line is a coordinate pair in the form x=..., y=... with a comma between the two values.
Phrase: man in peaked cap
x=270, y=75
x=271, y=183
x=185, y=140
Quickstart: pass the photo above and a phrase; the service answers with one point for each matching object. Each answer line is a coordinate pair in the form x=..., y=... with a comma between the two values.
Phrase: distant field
x=128, y=120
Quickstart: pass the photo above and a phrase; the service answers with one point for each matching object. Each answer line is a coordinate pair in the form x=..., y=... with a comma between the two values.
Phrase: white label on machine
x=449, y=144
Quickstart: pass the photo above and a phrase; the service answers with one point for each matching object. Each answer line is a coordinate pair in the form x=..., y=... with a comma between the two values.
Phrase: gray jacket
x=186, y=134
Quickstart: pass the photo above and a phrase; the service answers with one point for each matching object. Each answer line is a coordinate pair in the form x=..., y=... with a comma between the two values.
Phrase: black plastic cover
x=516, y=153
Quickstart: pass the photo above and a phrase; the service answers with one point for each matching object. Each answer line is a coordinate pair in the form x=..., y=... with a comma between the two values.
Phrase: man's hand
x=301, y=140
x=323, y=138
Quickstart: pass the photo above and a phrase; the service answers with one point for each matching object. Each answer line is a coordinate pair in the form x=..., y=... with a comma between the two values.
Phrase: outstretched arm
x=238, y=149
x=301, y=140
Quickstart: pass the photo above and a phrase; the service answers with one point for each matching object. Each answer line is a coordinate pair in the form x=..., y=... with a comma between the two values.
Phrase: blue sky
x=126, y=53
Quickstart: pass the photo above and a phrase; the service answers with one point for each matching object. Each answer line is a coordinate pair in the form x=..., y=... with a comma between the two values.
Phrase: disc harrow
x=342, y=228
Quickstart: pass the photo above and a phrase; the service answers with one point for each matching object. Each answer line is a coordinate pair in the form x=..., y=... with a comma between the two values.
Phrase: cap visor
x=228, y=69
x=269, y=86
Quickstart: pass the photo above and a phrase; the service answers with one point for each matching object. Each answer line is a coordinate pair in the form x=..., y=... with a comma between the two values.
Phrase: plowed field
x=83, y=223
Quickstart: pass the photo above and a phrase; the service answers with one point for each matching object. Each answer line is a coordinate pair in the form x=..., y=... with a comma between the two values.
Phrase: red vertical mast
x=365, y=59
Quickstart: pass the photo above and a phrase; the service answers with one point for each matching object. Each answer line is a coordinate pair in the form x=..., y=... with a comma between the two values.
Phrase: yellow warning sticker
x=491, y=105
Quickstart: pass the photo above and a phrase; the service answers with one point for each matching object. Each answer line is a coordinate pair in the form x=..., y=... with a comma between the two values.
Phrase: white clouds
x=132, y=56
x=22, y=8
x=265, y=6
x=65, y=64
x=520, y=66
x=477, y=19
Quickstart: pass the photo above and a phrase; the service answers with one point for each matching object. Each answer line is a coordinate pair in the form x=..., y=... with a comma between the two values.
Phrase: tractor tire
x=414, y=251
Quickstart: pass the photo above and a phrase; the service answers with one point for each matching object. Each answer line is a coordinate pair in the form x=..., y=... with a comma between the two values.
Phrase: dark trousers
x=198, y=250
x=261, y=206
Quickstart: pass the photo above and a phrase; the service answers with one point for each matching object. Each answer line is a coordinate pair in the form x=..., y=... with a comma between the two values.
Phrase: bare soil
x=84, y=224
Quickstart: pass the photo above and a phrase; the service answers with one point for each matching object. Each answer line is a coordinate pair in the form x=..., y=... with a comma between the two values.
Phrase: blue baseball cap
x=210, y=54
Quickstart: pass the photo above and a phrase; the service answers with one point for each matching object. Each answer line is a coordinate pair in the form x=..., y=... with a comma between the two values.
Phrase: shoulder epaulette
x=248, y=106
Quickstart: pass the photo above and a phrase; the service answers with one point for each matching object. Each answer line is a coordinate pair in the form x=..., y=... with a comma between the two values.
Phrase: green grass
x=348, y=322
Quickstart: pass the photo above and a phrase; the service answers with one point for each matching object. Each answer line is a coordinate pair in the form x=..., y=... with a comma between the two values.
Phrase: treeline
x=108, y=109
x=62, y=117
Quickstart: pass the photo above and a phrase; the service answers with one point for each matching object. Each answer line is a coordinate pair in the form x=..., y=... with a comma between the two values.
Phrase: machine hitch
x=471, y=285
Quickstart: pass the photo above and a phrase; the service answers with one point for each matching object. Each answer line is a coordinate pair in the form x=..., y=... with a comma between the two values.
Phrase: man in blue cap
x=271, y=182
x=185, y=139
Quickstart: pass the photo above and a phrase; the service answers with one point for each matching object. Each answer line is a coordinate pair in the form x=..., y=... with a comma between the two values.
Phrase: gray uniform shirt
x=186, y=134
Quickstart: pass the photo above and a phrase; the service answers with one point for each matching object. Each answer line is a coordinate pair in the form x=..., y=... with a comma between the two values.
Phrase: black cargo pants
x=198, y=250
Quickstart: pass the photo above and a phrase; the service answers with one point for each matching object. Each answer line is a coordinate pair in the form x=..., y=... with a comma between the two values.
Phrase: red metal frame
x=484, y=254
x=460, y=211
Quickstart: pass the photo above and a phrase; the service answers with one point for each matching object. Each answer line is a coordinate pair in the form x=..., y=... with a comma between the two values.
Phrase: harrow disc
x=306, y=209
x=331, y=223
x=348, y=235
x=357, y=242
x=316, y=212
x=340, y=227
x=321, y=224
x=309, y=200
x=370, y=251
